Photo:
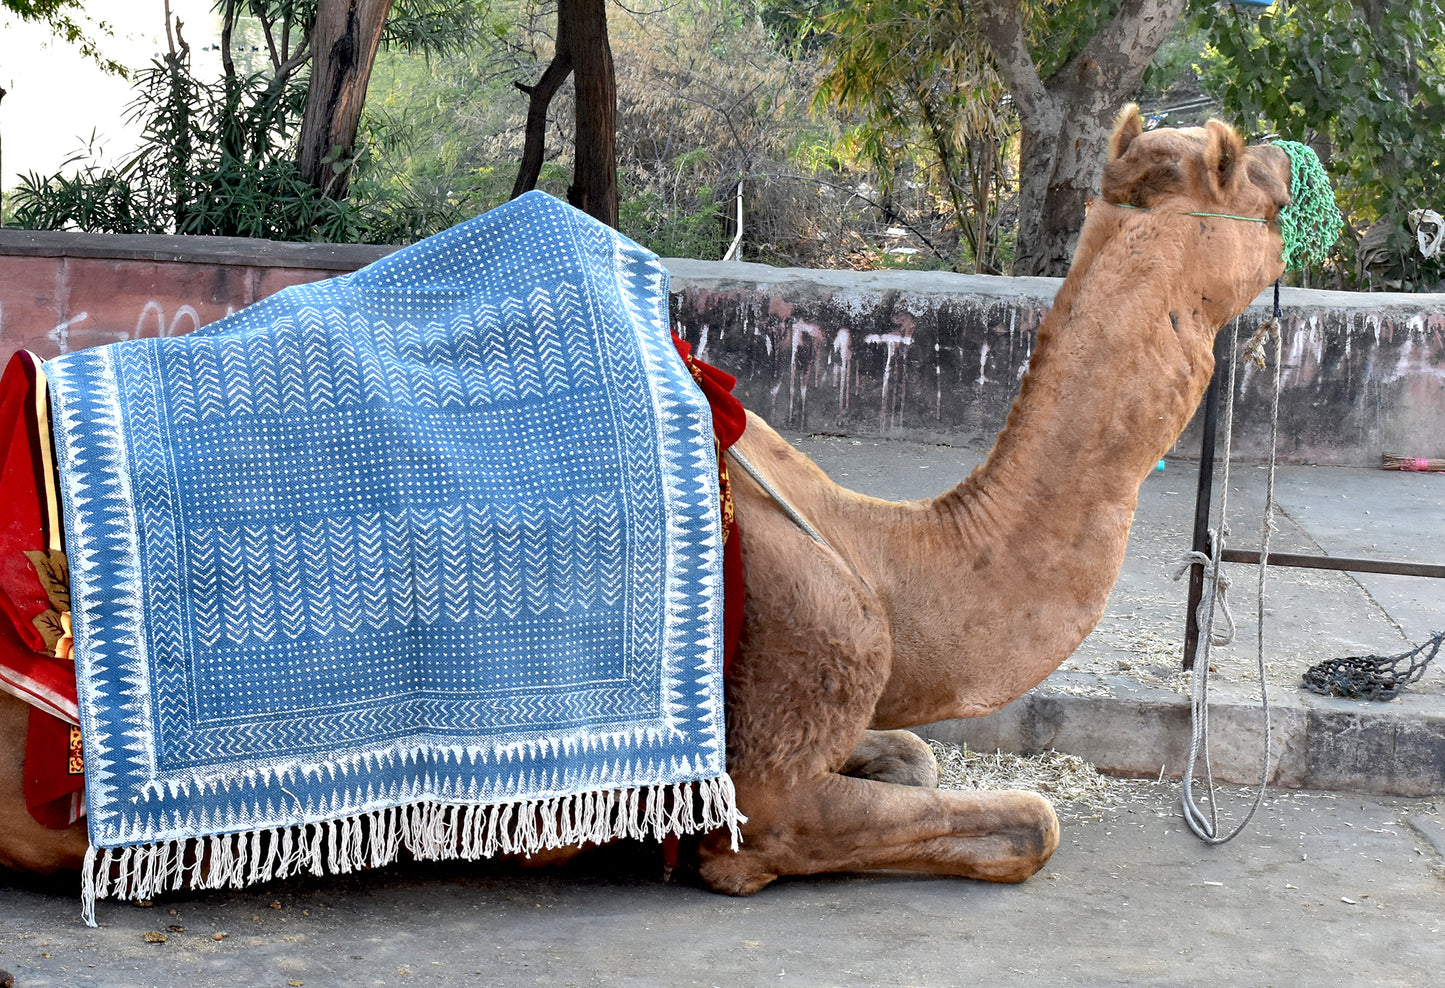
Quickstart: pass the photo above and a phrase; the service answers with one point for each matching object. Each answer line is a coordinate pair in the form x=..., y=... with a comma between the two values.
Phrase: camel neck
x=1035, y=538
x=1118, y=368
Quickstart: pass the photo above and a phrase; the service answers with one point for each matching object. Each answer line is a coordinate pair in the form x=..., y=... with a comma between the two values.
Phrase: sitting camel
x=954, y=606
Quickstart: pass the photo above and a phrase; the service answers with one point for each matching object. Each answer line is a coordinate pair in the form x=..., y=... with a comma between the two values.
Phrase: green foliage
x=218, y=158
x=1364, y=82
x=929, y=104
x=669, y=232
x=1056, y=30
x=213, y=160
x=434, y=27
x=914, y=162
x=436, y=125
x=796, y=26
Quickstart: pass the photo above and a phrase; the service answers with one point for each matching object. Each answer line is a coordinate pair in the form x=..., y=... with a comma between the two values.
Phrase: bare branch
x=539, y=99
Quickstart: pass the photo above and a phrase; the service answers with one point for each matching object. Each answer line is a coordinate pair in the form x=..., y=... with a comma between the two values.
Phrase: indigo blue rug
x=426, y=556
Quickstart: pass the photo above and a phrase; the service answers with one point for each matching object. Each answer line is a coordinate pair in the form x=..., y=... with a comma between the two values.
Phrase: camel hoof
x=1031, y=844
x=732, y=872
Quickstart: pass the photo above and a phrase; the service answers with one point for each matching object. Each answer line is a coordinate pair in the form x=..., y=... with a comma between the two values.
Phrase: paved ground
x=1322, y=888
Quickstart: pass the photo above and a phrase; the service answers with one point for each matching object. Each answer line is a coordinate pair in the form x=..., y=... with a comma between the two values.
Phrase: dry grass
x=1062, y=779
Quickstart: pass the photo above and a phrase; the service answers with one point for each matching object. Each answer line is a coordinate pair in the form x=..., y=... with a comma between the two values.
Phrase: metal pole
x=738, y=240
x=1343, y=563
x=2, y=170
x=1204, y=494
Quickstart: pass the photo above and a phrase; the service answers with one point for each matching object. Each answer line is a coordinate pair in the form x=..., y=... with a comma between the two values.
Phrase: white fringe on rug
x=429, y=831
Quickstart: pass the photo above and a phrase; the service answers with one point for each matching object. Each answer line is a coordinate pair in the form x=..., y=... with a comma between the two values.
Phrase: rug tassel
x=428, y=830
x=88, y=881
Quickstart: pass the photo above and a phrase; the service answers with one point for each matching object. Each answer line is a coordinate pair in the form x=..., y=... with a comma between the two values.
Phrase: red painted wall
x=65, y=292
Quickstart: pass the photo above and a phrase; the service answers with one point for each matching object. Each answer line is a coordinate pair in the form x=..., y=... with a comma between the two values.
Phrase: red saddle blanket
x=35, y=660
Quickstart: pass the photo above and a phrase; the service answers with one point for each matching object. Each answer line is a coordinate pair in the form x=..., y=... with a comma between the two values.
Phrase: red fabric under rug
x=35, y=662
x=54, y=771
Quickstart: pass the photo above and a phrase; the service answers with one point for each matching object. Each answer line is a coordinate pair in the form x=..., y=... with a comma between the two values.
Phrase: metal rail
x=1204, y=496
x=1344, y=563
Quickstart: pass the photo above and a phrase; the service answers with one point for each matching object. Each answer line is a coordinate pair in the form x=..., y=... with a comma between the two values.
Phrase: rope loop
x=1206, y=824
x=1216, y=592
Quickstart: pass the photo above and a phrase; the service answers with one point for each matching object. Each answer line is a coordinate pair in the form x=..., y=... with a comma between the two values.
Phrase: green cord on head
x=1311, y=223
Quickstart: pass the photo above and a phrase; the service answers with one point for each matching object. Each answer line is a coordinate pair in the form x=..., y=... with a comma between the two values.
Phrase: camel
x=953, y=606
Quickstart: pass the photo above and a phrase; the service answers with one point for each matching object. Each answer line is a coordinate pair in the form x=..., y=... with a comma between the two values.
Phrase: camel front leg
x=843, y=824
x=901, y=757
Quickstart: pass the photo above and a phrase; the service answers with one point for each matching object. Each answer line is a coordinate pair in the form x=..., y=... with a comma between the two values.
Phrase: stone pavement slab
x=1322, y=889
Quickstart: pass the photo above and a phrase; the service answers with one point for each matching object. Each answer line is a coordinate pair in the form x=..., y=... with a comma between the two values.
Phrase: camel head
x=1206, y=170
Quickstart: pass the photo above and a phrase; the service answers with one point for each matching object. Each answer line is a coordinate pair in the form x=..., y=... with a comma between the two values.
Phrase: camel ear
x=1224, y=151
x=1127, y=126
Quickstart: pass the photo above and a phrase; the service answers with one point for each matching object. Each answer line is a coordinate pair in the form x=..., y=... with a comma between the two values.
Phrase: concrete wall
x=939, y=356
x=919, y=355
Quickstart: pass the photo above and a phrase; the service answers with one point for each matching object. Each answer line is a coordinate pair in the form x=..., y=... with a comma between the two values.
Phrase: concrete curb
x=1132, y=729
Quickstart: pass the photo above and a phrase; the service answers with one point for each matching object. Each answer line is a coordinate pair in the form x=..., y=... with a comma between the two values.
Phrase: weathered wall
x=61, y=292
x=939, y=356
x=921, y=355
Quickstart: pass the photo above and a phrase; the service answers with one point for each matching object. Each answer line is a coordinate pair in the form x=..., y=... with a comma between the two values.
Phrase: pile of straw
x=1060, y=777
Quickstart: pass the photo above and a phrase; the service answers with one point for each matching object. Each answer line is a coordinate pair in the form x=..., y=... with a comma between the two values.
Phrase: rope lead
x=1206, y=824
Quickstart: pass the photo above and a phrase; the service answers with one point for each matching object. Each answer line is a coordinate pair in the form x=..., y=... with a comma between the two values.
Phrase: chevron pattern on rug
x=441, y=532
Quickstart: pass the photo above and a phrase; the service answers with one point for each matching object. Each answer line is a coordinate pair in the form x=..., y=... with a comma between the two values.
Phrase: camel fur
x=954, y=606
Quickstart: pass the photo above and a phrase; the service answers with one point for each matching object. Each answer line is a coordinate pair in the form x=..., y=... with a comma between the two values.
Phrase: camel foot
x=899, y=757
x=740, y=872
x=843, y=824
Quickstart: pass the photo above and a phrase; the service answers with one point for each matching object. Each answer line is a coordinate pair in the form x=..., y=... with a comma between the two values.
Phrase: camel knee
x=899, y=757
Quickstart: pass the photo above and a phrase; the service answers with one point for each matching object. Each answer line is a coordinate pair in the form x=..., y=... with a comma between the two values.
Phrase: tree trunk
x=1067, y=118
x=539, y=99
x=343, y=49
x=594, y=172
x=1076, y=151
x=583, y=50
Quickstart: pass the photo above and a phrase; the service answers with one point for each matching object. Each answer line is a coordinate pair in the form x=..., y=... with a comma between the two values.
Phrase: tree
x=1069, y=68
x=931, y=105
x=583, y=51
x=1364, y=82
x=344, y=41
